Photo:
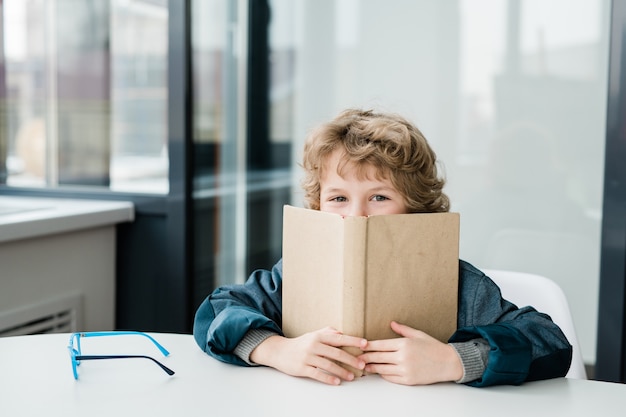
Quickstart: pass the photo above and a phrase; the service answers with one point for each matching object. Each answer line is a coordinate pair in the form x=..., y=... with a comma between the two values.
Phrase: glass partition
x=242, y=143
x=510, y=97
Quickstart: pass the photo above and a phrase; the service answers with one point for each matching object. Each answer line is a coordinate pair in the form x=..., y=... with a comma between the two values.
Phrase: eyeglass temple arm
x=97, y=357
x=124, y=332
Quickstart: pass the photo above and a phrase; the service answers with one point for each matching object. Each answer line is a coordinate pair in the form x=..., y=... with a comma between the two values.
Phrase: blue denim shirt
x=525, y=345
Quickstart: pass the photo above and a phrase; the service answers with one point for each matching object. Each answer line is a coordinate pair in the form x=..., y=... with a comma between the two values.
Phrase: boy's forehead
x=335, y=157
x=339, y=162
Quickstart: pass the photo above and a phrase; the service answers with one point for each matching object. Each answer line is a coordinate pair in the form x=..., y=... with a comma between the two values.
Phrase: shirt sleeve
x=230, y=312
x=474, y=355
x=524, y=344
x=250, y=341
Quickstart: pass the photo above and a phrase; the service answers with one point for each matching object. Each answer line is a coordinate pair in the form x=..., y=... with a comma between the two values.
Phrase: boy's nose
x=357, y=210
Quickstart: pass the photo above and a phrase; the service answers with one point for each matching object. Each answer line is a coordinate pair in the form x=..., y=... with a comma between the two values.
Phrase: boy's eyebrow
x=378, y=189
x=332, y=190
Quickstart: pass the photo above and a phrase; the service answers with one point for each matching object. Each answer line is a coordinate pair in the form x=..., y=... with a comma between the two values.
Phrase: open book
x=357, y=274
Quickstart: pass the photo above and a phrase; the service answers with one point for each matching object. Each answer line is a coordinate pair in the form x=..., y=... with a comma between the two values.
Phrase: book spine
x=355, y=245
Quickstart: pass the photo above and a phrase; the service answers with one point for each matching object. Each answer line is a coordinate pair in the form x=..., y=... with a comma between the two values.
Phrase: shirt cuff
x=250, y=341
x=473, y=355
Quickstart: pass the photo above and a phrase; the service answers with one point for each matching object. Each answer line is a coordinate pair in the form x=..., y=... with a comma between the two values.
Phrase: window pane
x=86, y=110
x=215, y=68
x=242, y=140
x=25, y=85
x=139, y=39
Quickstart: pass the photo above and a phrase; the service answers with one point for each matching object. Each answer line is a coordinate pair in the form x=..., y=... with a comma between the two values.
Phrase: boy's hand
x=313, y=355
x=414, y=359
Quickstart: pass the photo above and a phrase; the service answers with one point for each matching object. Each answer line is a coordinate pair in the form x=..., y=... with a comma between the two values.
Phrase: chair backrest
x=546, y=296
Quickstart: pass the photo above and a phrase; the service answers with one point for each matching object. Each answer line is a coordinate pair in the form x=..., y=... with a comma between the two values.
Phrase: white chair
x=545, y=295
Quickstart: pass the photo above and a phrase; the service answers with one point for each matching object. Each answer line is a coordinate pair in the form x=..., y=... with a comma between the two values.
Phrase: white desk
x=36, y=379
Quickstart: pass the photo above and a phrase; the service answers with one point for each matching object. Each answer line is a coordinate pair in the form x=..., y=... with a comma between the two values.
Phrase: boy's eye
x=339, y=199
x=379, y=198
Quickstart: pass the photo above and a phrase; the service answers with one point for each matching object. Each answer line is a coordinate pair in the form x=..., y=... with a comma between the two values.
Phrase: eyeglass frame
x=76, y=355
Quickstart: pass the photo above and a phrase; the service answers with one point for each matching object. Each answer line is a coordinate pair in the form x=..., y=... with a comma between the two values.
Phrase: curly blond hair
x=390, y=143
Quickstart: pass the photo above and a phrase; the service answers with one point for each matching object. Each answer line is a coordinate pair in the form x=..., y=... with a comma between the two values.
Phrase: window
x=85, y=94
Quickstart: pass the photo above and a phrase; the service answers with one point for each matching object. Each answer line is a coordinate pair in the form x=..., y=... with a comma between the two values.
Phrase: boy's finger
x=404, y=330
x=323, y=376
x=377, y=358
x=382, y=369
x=340, y=339
x=339, y=355
x=386, y=345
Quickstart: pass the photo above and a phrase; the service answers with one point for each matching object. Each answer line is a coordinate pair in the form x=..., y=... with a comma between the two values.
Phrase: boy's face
x=351, y=195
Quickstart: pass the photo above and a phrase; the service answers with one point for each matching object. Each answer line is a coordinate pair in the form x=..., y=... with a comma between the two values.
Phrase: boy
x=361, y=164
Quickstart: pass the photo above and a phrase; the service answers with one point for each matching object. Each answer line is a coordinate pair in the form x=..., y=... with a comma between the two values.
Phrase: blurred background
x=196, y=111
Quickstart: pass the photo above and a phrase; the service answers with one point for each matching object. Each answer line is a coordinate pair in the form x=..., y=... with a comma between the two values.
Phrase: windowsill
x=28, y=217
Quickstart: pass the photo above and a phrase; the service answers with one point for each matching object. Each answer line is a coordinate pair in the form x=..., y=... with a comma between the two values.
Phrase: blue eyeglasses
x=76, y=355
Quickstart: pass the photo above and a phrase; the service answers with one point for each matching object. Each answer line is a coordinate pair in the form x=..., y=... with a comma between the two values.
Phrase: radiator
x=56, y=315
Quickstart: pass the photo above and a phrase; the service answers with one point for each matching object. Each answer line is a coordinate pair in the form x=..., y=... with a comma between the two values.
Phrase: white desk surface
x=36, y=380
